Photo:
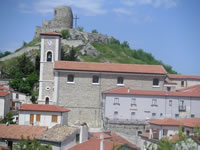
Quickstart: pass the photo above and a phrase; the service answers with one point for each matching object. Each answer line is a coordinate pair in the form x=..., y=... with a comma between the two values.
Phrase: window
x=155, y=82
x=17, y=95
x=31, y=118
x=115, y=115
x=54, y=118
x=161, y=114
x=133, y=101
x=49, y=56
x=47, y=100
x=192, y=115
x=120, y=80
x=95, y=79
x=170, y=102
x=70, y=78
x=132, y=115
x=116, y=101
x=153, y=114
x=182, y=83
x=168, y=89
x=38, y=117
x=176, y=115
x=154, y=102
x=77, y=138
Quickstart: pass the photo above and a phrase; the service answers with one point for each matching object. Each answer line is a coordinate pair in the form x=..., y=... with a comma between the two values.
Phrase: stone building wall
x=84, y=98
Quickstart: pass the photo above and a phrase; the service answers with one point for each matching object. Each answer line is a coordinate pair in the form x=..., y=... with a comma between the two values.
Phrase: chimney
x=102, y=142
x=83, y=133
x=128, y=90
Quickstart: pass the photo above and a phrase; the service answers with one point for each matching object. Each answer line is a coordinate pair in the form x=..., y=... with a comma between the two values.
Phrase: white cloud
x=85, y=7
x=154, y=3
x=122, y=11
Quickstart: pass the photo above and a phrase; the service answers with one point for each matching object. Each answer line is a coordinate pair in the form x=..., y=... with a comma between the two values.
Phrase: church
x=79, y=86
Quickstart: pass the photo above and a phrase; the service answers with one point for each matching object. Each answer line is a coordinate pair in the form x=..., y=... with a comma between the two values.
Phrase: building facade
x=79, y=85
x=42, y=115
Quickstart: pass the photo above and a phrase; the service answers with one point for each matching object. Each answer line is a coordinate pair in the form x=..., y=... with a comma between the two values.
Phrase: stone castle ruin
x=63, y=19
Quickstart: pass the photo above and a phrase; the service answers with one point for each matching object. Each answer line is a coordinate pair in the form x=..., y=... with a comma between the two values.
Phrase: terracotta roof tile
x=109, y=67
x=146, y=135
x=98, y=134
x=51, y=33
x=177, y=76
x=125, y=90
x=62, y=132
x=170, y=82
x=166, y=122
x=4, y=93
x=94, y=143
x=17, y=131
x=42, y=107
x=188, y=122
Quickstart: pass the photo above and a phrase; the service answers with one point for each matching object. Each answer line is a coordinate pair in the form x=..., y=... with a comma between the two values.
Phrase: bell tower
x=49, y=53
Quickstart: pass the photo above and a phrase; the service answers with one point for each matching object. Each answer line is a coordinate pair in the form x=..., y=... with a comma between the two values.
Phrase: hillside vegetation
x=121, y=53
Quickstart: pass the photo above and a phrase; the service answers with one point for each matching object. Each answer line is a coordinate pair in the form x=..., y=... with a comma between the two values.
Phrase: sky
x=168, y=29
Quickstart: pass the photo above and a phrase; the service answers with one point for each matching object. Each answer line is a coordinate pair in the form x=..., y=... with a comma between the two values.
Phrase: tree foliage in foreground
x=8, y=119
x=27, y=144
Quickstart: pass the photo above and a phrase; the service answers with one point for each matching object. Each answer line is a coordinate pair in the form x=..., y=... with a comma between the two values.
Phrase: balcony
x=182, y=108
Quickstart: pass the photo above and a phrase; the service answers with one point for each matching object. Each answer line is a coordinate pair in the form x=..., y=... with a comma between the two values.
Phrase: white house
x=169, y=128
x=18, y=99
x=42, y=115
x=124, y=103
x=5, y=103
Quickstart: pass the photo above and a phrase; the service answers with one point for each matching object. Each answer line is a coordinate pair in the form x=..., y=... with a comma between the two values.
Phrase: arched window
x=49, y=56
x=47, y=100
x=156, y=81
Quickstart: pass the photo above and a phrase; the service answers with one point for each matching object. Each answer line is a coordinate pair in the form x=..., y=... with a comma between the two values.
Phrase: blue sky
x=169, y=29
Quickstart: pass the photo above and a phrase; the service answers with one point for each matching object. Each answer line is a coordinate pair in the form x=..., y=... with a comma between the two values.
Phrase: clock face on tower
x=49, y=42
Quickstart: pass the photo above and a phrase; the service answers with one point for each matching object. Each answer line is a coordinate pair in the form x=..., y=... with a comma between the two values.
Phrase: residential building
x=60, y=137
x=5, y=103
x=42, y=115
x=18, y=99
x=11, y=134
x=169, y=128
x=128, y=104
x=184, y=80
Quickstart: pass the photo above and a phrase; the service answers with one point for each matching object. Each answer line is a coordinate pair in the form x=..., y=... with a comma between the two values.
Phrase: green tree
x=71, y=56
x=65, y=34
x=125, y=44
x=94, y=31
x=8, y=119
x=165, y=144
x=27, y=144
x=24, y=43
x=197, y=132
x=79, y=28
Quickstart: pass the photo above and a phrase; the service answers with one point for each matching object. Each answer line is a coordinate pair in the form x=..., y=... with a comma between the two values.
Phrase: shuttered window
x=38, y=117
x=54, y=118
x=31, y=118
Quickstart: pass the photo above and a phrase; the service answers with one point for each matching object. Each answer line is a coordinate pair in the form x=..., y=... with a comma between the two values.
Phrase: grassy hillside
x=120, y=53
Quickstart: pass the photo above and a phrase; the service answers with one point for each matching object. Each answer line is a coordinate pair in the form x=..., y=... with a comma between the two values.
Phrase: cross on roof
x=76, y=18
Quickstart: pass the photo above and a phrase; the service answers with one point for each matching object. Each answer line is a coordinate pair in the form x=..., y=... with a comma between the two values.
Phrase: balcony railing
x=182, y=108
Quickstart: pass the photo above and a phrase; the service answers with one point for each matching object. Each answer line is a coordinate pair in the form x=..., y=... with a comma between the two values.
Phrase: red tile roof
x=125, y=90
x=51, y=34
x=42, y=107
x=177, y=76
x=146, y=135
x=94, y=143
x=166, y=122
x=109, y=67
x=98, y=134
x=170, y=82
x=4, y=93
x=17, y=131
x=188, y=122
